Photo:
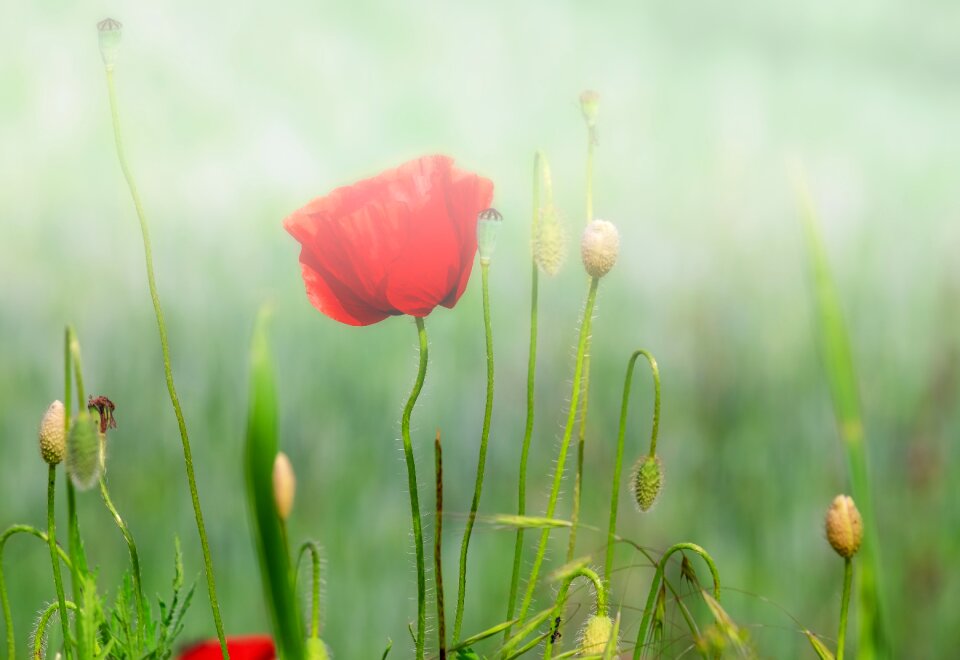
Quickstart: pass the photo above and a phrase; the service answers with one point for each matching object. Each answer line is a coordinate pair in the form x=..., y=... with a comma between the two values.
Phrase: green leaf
x=822, y=651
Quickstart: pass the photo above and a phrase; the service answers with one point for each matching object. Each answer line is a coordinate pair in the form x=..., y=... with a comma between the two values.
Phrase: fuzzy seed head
x=284, y=485
x=317, y=650
x=647, y=481
x=84, y=452
x=844, y=526
x=599, y=247
x=596, y=634
x=549, y=241
x=53, y=439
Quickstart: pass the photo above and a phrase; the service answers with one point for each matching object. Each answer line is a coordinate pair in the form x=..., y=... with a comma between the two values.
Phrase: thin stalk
x=168, y=371
x=482, y=459
x=844, y=605
x=618, y=464
x=134, y=560
x=437, y=550
x=78, y=570
x=54, y=560
x=601, y=594
x=412, y=487
x=564, y=446
x=314, y=550
x=531, y=377
x=41, y=631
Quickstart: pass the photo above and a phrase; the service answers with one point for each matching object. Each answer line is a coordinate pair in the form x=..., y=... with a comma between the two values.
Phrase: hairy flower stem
x=39, y=635
x=134, y=560
x=482, y=460
x=564, y=446
x=618, y=464
x=844, y=605
x=437, y=548
x=412, y=487
x=314, y=550
x=54, y=560
x=583, y=571
x=168, y=372
x=531, y=378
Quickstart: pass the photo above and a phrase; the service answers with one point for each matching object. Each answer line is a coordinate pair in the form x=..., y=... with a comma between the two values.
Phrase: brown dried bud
x=844, y=526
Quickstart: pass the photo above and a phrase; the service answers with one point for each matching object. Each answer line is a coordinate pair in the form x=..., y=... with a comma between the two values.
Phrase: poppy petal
x=253, y=647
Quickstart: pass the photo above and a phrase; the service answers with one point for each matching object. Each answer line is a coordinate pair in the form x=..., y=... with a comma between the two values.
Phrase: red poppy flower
x=401, y=242
x=253, y=647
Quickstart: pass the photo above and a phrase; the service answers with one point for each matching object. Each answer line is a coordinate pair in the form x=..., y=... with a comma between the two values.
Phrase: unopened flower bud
x=109, y=36
x=590, y=106
x=844, y=526
x=488, y=226
x=596, y=635
x=599, y=247
x=647, y=481
x=284, y=485
x=84, y=451
x=53, y=439
x=549, y=241
x=316, y=649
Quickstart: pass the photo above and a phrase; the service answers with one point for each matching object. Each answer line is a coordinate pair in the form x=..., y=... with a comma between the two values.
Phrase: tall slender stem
x=564, y=446
x=437, y=548
x=134, y=560
x=314, y=550
x=844, y=605
x=78, y=567
x=54, y=559
x=412, y=487
x=41, y=631
x=618, y=464
x=168, y=372
x=482, y=460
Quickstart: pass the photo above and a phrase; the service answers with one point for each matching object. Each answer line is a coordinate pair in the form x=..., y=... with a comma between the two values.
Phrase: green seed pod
x=84, y=452
x=844, y=526
x=599, y=247
x=595, y=636
x=53, y=440
x=488, y=226
x=647, y=481
x=549, y=241
x=317, y=650
x=109, y=32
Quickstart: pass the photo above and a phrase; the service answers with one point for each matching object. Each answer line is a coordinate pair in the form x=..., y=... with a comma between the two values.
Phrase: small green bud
x=84, y=451
x=844, y=526
x=596, y=634
x=53, y=440
x=109, y=32
x=316, y=649
x=599, y=247
x=647, y=481
x=488, y=226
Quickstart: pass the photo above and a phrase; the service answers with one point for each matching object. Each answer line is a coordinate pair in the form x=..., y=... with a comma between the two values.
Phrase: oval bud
x=596, y=635
x=844, y=526
x=53, y=438
x=84, y=451
x=647, y=481
x=599, y=247
x=284, y=485
x=316, y=649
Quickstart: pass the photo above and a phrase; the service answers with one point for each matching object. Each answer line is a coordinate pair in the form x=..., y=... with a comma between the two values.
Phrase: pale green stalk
x=168, y=371
x=52, y=542
x=72, y=371
x=844, y=605
x=134, y=560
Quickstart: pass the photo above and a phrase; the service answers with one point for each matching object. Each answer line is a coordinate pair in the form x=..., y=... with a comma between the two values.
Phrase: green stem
x=41, y=631
x=482, y=459
x=564, y=446
x=168, y=372
x=531, y=377
x=844, y=605
x=655, y=588
x=314, y=550
x=134, y=560
x=55, y=562
x=618, y=464
x=583, y=571
x=78, y=568
x=581, y=445
x=412, y=487
x=437, y=549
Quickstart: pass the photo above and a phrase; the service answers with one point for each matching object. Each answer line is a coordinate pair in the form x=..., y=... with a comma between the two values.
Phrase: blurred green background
x=234, y=117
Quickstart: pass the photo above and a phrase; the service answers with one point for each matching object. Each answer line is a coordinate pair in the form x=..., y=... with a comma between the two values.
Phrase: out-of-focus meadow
x=235, y=117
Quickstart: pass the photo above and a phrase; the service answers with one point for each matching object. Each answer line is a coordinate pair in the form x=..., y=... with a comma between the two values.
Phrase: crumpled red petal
x=252, y=647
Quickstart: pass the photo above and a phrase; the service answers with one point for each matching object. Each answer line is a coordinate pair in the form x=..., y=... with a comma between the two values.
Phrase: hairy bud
x=844, y=526
x=53, y=439
x=647, y=481
x=599, y=247
x=596, y=635
x=84, y=451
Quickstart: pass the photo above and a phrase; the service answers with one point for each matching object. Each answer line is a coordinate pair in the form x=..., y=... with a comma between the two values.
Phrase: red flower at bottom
x=252, y=647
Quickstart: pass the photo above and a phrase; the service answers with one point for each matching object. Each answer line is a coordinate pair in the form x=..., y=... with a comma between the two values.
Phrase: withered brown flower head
x=104, y=408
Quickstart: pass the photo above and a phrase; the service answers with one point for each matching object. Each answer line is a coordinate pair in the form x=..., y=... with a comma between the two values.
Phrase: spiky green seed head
x=284, y=485
x=549, y=241
x=844, y=526
x=647, y=481
x=53, y=439
x=590, y=106
x=316, y=649
x=84, y=451
x=599, y=247
x=109, y=32
x=596, y=634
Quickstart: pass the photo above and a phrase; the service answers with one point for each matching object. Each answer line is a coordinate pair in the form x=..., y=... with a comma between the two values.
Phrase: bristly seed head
x=549, y=241
x=53, y=438
x=599, y=247
x=84, y=452
x=647, y=481
x=596, y=635
x=844, y=526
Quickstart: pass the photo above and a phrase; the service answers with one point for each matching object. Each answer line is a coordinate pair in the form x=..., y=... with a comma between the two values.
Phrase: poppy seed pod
x=844, y=526
x=488, y=226
x=596, y=635
x=108, y=31
x=84, y=452
x=53, y=439
x=647, y=481
x=599, y=247
x=284, y=485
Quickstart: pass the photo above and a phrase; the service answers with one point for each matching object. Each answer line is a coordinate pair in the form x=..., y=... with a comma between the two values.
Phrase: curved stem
x=655, y=587
x=618, y=464
x=52, y=542
x=168, y=372
x=583, y=571
x=564, y=446
x=314, y=550
x=41, y=630
x=134, y=560
x=844, y=606
x=531, y=378
x=412, y=487
x=437, y=548
x=482, y=459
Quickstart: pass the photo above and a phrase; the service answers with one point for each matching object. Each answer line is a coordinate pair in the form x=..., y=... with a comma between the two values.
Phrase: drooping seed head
x=284, y=485
x=53, y=439
x=84, y=451
x=596, y=635
x=844, y=526
x=599, y=247
x=109, y=32
x=647, y=481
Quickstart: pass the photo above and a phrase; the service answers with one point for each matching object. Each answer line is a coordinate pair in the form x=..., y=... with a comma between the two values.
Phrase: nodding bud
x=549, y=241
x=488, y=226
x=109, y=36
x=599, y=247
x=647, y=481
x=844, y=526
x=284, y=485
x=84, y=451
x=53, y=439
x=316, y=649
x=596, y=635
x=590, y=107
